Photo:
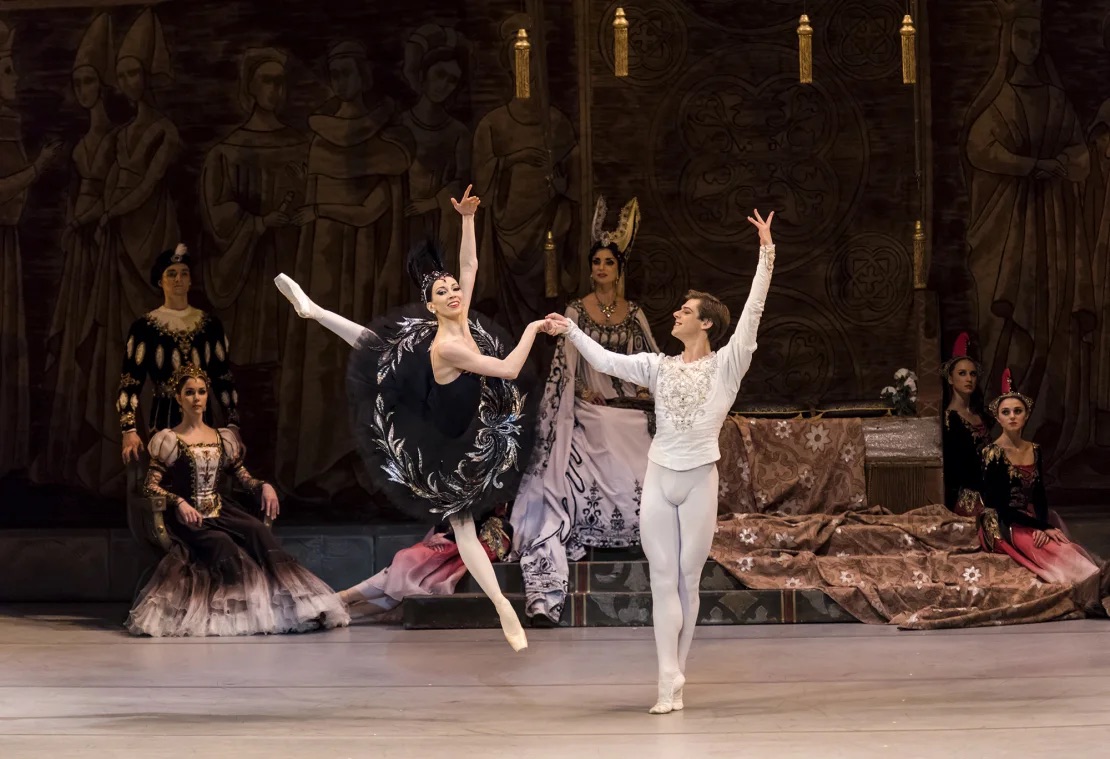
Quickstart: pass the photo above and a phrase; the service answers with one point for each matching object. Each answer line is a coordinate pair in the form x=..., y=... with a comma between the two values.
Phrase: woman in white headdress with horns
x=582, y=489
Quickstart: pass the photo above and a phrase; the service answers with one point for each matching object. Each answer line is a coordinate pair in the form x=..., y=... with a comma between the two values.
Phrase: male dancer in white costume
x=693, y=394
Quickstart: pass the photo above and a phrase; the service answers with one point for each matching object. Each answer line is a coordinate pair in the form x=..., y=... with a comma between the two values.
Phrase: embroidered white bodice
x=208, y=464
x=691, y=399
x=684, y=388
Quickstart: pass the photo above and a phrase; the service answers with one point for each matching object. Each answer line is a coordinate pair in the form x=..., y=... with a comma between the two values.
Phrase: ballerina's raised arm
x=468, y=247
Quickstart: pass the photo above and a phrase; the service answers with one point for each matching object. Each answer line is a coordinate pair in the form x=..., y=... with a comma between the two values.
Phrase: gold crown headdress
x=187, y=372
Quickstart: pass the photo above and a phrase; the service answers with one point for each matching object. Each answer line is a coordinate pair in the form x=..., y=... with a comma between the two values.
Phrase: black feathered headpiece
x=424, y=264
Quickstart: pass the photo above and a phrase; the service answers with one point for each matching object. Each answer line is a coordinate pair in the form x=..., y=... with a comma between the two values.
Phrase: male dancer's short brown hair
x=710, y=307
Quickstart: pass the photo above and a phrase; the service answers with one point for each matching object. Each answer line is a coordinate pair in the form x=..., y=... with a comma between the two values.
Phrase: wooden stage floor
x=74, y=686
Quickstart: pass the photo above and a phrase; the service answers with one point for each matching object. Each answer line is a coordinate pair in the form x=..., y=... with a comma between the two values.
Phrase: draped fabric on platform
x=794, y=516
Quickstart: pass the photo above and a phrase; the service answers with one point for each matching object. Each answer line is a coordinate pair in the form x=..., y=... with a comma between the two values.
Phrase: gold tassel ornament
x=909, y=51
x=550, y=267
x=920, y=265
x=523, y=50
x=805, y=50
x=620, y=44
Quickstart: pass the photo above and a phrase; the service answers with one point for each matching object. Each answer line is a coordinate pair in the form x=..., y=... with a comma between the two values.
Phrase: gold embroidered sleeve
x=246, y=479
x=152, y=487
x=991, y=528
x=219, y=369
x=132, y=375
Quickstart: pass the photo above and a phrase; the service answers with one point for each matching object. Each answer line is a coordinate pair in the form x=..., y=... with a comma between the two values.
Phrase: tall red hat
x=1009, y=390
x=960, y=352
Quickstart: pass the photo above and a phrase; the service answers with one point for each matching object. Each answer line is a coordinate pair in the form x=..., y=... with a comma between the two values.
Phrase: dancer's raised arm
x=639, y=368
x=737, y=353
x=468, y=246
x=455, y=354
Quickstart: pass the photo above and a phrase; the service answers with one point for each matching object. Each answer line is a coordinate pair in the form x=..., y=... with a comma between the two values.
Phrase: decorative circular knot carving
x=870, y=278
x=657, y=41
x=862, y=38
x=739, y=134
x=658, y=277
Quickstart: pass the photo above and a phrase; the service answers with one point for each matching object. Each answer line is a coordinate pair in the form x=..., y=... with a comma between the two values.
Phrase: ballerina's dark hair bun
x=424, y=264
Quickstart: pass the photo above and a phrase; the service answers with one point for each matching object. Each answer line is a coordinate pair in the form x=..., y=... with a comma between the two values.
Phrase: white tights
x=477, y=562
x=348, y=330
x=466, y=537
x=678, y=515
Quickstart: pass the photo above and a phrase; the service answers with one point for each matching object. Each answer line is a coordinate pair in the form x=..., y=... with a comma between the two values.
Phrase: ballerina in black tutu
x=440, y=413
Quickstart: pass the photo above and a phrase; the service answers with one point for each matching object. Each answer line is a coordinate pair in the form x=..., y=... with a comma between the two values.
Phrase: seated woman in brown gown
x=226, y=573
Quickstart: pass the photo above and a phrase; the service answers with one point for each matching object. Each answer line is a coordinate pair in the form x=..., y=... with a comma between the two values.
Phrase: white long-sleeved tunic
x=691, y=399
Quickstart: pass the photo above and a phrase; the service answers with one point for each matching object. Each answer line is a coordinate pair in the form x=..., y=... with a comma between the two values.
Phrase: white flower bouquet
x=902, y=395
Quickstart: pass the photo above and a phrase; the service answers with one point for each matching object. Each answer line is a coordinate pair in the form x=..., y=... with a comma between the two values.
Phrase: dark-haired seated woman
x=966, y=431
x=1016, y=519
x=226, y=574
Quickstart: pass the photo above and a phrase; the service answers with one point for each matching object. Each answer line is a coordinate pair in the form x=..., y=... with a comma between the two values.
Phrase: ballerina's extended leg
x=348, y=330
x=478, y=564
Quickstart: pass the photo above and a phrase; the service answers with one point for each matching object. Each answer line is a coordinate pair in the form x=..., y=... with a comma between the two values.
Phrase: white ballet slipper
x=304, y=307
x=665, y=703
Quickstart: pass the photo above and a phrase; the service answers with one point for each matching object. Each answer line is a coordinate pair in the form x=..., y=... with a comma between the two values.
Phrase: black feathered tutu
x=438, y=450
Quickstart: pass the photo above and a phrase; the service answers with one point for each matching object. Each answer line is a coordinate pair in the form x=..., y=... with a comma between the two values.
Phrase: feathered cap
x=1009, y=391
x=424, y=264
x=165, y=260
x=960, y=352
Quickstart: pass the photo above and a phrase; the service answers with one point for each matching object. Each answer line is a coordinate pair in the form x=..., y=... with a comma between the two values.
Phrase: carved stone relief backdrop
x=324, y=142
x=1021, y=123
x=283, y=136
x=712, y=122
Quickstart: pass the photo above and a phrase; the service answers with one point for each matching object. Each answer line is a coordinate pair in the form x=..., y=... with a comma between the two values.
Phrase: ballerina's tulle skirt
x=188, y=599
x=436, y=450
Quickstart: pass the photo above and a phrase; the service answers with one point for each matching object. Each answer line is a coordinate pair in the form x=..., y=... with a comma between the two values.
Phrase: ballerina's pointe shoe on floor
x=304, y=307
x=670, y=697
x=510, y=625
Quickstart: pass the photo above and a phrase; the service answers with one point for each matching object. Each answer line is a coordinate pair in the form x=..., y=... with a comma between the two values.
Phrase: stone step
x=630, y=609
x=602, y=576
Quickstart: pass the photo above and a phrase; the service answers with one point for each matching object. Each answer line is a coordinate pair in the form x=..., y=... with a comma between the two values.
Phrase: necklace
x=607, y=310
